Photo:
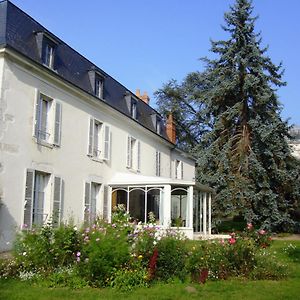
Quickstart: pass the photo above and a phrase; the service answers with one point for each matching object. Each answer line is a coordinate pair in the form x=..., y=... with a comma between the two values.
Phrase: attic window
x=158, y=125
x=97, y=82
x=99, y=86
x=47, y=48
x=133, y=108
x=48, y=54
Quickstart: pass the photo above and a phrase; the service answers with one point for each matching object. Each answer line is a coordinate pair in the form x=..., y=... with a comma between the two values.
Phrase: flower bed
x=124, y=256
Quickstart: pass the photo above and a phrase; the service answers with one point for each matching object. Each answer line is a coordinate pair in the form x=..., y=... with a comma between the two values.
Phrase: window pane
x=137, y=205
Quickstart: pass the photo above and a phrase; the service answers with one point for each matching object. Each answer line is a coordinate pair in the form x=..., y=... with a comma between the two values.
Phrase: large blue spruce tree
x=229, y=117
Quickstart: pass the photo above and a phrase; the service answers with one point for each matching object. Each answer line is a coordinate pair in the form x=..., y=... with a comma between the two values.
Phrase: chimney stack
x=171, y=129
x=143, y=97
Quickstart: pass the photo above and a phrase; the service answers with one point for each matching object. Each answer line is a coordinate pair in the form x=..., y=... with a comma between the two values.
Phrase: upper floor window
x=133, y=153
x=133, y=109
x=99, y=86
x=46, y=45
x=99, y=140
x=157, y=163
x=47, y=126
x=158, y=125
x=97, y=82
x=48, y=55
x=178, y=169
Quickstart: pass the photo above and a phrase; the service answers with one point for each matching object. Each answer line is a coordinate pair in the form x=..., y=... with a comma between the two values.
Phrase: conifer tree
x=238, y=135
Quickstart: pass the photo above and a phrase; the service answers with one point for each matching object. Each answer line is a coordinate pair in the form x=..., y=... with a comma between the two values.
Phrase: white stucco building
x=74, y=142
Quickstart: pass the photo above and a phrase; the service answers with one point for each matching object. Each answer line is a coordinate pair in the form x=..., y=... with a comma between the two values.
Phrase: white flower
x=24, y=253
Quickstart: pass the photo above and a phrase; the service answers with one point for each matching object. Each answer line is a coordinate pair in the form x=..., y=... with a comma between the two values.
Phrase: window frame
x=103, y=140
x=52, y=121
x=133, y=161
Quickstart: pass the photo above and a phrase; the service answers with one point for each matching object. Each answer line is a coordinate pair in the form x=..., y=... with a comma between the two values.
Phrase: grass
x=230, y=289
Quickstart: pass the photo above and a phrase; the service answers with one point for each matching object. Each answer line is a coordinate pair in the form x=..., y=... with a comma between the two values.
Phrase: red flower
x=152, y=263
x=232, y=241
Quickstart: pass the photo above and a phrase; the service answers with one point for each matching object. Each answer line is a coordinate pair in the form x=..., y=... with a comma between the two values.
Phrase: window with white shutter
x=47, y=125
x=106, y=142
x=99, y=140
x=57, y=124
x=129, y=152
x=91, y=200
x=37, y=192
x=57, y=209
x=28, y=199
x=133, y=154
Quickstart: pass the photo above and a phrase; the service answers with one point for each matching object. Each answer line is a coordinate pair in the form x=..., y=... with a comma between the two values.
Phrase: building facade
x=74, y=142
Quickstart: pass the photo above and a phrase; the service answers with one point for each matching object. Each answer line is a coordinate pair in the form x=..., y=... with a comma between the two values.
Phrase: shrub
x=133, y=276
x=210, y=256
x=105, y=249
x=9, y=268
x=171, y=258
x=46, y=248
x=268, y=267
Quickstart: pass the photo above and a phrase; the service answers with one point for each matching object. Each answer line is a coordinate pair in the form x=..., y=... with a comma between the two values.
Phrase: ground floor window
x=140, y=202
x=91, y=201
x=179, y=207
x=43, y=200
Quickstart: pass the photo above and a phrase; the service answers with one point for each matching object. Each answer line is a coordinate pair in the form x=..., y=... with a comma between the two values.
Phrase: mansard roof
x=18, y=31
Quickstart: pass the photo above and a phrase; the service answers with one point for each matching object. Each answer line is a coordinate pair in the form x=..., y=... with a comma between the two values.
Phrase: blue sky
x=145, y=43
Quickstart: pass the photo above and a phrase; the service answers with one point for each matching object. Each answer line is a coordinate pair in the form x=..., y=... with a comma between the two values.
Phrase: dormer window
x=133, y=109
x=46, y=45
x=158, y=125
x=97, y=82
x=48, y=55
x=99, y=86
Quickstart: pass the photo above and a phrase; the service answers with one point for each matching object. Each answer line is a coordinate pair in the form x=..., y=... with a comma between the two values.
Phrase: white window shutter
x=138, y=155
x=57, y=202
x=57, y=124
x=129, y=158
x=105, y=203
x=37, y=116
x=87, y=202
x=106, y=155
x=28, y=198
x=91, y=137
x=181, y=164
x=157, y=172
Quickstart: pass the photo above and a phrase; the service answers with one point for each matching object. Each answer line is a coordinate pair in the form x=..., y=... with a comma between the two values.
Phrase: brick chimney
x=171, y=129
x=143, y=97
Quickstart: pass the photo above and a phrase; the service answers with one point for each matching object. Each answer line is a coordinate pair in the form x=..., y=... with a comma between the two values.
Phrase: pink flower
x=78, y=253
x=222, y=242
x=249, y=226
x=262, y=232
x=232, y=234
x=232, y=241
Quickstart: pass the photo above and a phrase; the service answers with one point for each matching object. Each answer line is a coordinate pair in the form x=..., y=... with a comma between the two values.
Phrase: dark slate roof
x=18, y=31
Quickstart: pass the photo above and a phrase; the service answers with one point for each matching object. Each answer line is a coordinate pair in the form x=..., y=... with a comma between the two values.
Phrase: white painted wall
x=19, y=150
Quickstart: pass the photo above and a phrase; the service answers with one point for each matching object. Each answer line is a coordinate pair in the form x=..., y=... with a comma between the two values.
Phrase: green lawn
x=230, y=289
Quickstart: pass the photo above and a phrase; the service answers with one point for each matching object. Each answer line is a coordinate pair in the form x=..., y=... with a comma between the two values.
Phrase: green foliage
x=45, y=248
x=105, y=249
x=267, y=266
x=127, y=279
x=228, y=116
x=9, y=268
x=64, y=277
x=171, y=259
